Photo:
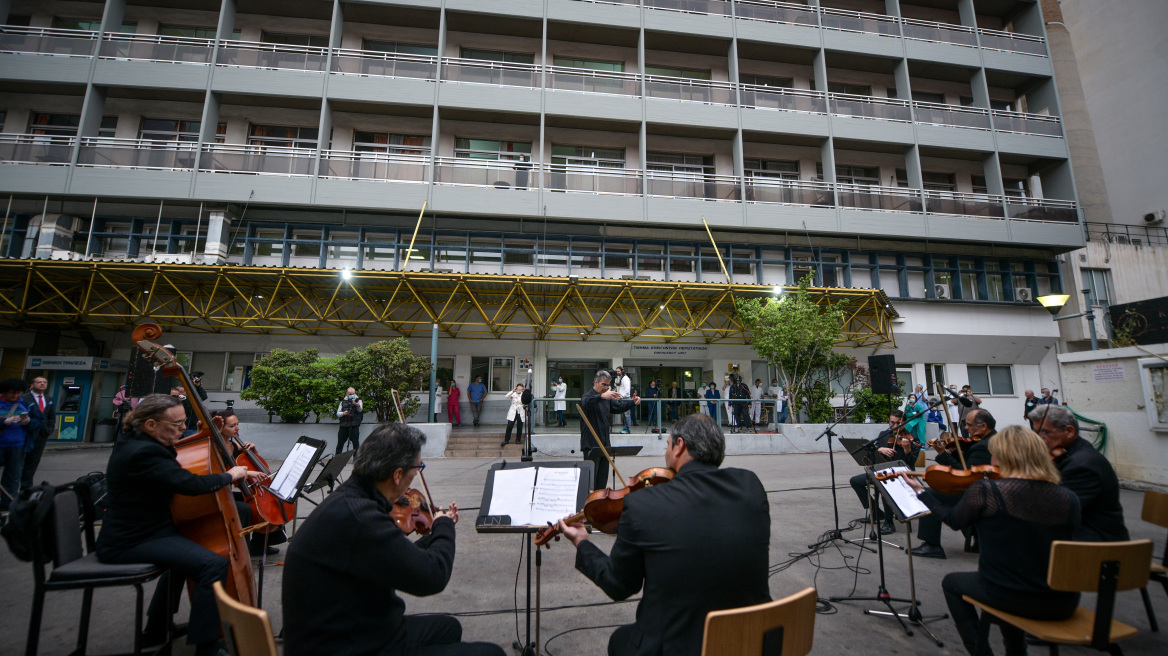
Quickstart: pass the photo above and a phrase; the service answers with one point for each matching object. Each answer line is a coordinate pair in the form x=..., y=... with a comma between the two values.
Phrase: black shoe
x=504, y=444
x=257, y=550
x=887, y=528
x=927, y=550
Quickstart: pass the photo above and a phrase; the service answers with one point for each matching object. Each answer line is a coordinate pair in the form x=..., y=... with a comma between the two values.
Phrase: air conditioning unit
x=942, y=291
x=1152, y=218
x=1119, y=239
x=1023, y=295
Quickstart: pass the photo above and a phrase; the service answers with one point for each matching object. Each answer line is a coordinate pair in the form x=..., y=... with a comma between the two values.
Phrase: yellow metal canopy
x=99, y=295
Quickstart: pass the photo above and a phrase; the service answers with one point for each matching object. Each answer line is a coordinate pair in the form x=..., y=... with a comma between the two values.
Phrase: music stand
x=488, y=523
x=330, y=475
x=616, y=451
x=286, y=485
x=865, y=453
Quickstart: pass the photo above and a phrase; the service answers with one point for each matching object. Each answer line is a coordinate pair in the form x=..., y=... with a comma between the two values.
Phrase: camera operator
x=740, y=395
x=965, y=400
x=351, y=412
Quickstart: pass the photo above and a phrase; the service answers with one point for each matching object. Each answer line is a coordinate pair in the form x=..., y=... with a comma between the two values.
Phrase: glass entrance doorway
x=578, y=376
x=687, y=379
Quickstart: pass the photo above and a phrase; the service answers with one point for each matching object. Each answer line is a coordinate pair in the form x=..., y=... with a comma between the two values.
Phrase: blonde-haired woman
x=1017, y=518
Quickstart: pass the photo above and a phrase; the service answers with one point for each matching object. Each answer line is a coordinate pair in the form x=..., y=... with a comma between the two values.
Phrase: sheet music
x=512, y=494
x=903, y=496
x=285, y=481
x=555, y=494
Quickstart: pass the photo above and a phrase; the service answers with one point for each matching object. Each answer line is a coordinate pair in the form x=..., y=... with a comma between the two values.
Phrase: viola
x=603, y=508
x=946, y=479
x=412, y=514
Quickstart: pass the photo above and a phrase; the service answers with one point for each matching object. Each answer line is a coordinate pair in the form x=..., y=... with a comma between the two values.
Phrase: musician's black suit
x=929, y=529
x=1088, y=474
x=696, y=544
x=859, y=482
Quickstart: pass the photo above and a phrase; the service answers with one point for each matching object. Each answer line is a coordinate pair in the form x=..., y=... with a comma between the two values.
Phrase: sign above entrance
x=669, y=351
x=74, y=363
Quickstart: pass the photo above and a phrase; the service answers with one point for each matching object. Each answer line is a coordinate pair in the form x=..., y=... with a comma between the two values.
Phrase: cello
x=274, y=511
x=209, y=520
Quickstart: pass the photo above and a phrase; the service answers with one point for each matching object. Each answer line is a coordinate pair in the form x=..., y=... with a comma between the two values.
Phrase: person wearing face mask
x=351, y=413
x=712, y=406
x=560, y=392
x=1048, y=398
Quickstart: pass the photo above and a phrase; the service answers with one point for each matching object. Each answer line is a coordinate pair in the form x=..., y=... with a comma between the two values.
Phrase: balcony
x=583, y=80
x=384, y=64
x=708, y=7
x=858, y=21
x=1133, y=235
x=768, y=11
x=784, y=99
x=466, y=172
x=951, y=115
x=37, y=149
x=593, y=180
x=248, y=54
x=887, y=109
x=156, y=48
x=661, y=184
x=1040, y=124
x=257, y=160
x=806, y=193
x=349, y=165
x=1041, y=209
x=478, y=71
x=884, y=199
x=46, y=41
x=1013, y=42
x=957, y=35
x=137, y=154
x=680, y=88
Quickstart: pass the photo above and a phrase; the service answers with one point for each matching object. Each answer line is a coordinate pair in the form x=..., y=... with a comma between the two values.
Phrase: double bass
x=209, y=520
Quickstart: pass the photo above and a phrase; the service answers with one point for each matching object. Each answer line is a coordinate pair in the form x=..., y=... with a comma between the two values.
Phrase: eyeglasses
x=420, y=466
x=176, y=424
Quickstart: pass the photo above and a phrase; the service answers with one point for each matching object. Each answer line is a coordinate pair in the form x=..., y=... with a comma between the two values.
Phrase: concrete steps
x=481, y=445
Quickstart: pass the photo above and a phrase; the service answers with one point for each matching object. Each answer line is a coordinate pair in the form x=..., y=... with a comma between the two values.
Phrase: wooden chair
x=1102, y=567
x=246, y=630
x=1155, y=511
x=784, y=627
x=920, y=459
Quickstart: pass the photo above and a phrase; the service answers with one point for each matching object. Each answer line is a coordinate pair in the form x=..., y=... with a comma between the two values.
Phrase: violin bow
x=402, y=417
x=592, y=430
x=949, y=420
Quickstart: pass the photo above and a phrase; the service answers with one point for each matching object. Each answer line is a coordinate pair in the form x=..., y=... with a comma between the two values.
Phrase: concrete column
x=218, y=236
x=55, y=237
x=92, y=109
x=981, y=89
x=912, y=166
x=892, y=7
x=226, y=25
x=993, y=174
x=827, y=159
x=5, y=8
x=112, y=15
x=967, y=13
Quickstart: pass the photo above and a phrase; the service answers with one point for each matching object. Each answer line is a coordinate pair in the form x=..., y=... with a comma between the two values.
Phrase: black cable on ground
x=579, y=628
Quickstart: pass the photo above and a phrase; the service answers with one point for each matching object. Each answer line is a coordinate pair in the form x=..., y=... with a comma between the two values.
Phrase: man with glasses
x=351, y=550
x=599, y=404
x=1084, y=471
x=905, y=448
x=685, y=569
x=981, y=426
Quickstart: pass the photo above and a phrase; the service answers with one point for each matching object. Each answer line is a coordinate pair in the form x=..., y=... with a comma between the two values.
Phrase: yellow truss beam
x=378, y=304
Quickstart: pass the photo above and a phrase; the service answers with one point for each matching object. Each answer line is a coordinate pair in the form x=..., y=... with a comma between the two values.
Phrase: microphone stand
x=528, y=449
x=835, y=533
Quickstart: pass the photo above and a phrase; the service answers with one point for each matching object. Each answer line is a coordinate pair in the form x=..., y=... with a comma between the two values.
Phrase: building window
x=968, y=277
x=1154, y=379
x=65, y=125
x=934, y=373
x=1097, y=282
x=590, y=64
x=681, y=258
x=682, y=164
x=995, y=282
x=609, y=158
x=164, y=129
x=89, y=25
x=979, y=184
x=767, y=81
x=499, y=56
x=993, y=380
x=488, y=149
x=192, y=32
x=616, y=257
x=771, y=169
x=519, y=252
x=933, y=181
x=852, y=89
x=396, y=144
x=501, y=375
x=282, y=136
x=450, y=250
x=485, y=251
x=1016, y=187
x=649, y=258
x=400, y=48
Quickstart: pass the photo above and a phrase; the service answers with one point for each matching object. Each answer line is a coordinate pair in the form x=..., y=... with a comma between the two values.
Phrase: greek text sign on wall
x=669, y=351
x=1108, y=372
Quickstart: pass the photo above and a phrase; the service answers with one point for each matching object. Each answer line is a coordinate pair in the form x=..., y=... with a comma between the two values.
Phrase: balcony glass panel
x=1034, y=209
x=716, y=7
x=256, y=159
x=1049, y=126
x=959, y=204
x=384, y=64
x=678, y=88
x=136, y=153
x=855, y=21
x=870, y=107
x=789, y=192
x=592, y=179
x=35, y=149
x=776, y=12
x=269, y=55
x=152, y=47
x=482, y=173
x=939, y=32
x=591, y=81
x=954, y=115
x=1013, y=42
x=374, y=166
x=480, y=71
x=794, y=100
x=872, y=197
x=681, y=185
x=67, y=43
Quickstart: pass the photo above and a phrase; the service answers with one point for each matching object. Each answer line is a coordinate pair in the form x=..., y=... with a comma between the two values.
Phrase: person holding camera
x=351, y=412
x=516, y=414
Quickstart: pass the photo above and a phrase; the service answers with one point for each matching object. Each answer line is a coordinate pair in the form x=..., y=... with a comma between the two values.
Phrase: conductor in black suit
x=37, y=398
x=1084, y=471
x=599, y=403
x=696, y=544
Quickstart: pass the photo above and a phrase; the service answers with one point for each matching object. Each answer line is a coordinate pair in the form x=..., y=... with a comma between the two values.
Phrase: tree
x=797, y=336
x=292, y=384
x=376, y=369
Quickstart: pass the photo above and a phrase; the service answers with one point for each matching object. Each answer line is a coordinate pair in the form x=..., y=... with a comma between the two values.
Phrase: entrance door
x=578, y=376
x=686, y=378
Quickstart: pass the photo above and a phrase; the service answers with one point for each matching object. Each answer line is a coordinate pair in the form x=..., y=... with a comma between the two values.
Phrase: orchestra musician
x=904, y=447
x=143, y=475
x=1017, y=518
x=1084, y=471
x=599, y=404
x=255, y=541
x=697, y=544
x=349, y=558
x=980, y=425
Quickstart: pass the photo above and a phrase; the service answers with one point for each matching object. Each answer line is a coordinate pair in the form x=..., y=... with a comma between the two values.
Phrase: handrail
x=689, y=81
x=259, y=148
x=933, y=24
x=386, y=56
x=960, y=109
x=153, y=144
x=375, y=156
x=870, y=100
x=261, y=46
x=1011, y=35
x=24, y=138
x=1025, y=115
x=786, y=91
x=488, y=63
x=590, y=72
x=49, y=31
x=158, y=38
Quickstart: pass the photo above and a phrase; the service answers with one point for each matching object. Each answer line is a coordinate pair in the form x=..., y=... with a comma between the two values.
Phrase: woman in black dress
x=1017, y=518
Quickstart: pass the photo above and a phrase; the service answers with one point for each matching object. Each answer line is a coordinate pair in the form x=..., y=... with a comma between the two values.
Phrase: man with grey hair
x=599, y=404
x=661, y=538
x=1084, y=471
x=351, y=547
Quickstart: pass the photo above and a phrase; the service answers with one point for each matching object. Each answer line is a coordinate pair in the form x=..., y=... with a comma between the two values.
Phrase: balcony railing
x=154, y=47
x=782, y=98
x=349, y=165
x=668, y=184
x=1041, y=209
x=858, y=21
x=776, y=12
x=952, y=115
x=1050, y=126
x=1134, y=235
x=36, y=149
x=384, y=64
x=137, y=153
x=711, y=7
x=888, y=109
x=592, y=180
x=789, y=192
x=960, y=204
x=681, y=88
x=250, y=54
x=463, y=171
x=480, y=71
x=1013, y=42
x=46, y=41
x=562, y=78
x=938, y=32
x=884, y=199
x=257, y=159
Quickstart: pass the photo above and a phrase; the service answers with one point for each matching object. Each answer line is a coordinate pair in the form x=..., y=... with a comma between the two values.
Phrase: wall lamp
x=1055, y=302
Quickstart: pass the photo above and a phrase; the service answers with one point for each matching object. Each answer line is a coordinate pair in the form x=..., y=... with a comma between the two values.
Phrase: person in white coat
x=439, y=401
x=624, y=385
x=516, y=414
x=756, y=393
x=559, y=392
x=726, y=411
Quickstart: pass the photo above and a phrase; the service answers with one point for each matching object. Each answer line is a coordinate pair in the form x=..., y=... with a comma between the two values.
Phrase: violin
x=946, y=479
x=946, y=443
x=603, y=508
x=412, y=514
